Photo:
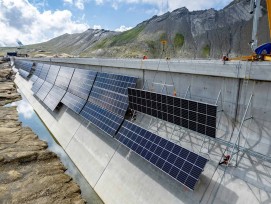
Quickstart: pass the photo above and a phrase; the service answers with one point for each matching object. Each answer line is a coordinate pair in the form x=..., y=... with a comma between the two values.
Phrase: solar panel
x=52, y=74
x=44, y=90
x=54, y=97
x=73, y=102
x=181, y=164
x=196, y=116
x=64, y=77
x=44, y=71
x=37, y=72
x=114, y=102
x=103, y=119
x=25, y=65
x=81, y=82
x=114, y=82
x=23, y=73
x=36, y=86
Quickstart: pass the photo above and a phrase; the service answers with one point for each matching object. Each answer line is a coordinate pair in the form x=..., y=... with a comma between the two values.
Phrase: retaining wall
x=120, y=176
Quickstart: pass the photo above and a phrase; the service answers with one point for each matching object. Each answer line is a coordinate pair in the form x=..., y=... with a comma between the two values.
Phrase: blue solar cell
x=148, y=155
x=169, y=146
x=190, y=182
x=24, y=73
x=52, y=74
x=171, y=158
x=167, y=166
x=81, y=82
x=154, y=159
x=192, y=157
x=182, y=177
x=64, y=77
x=165, y=154
x=103, y=119
x=187, y=167
x=174, y=171
x=73, y=102
x=139, y=149
x=144, y=153
x=176, y=149
x=44, y=90
x=160, y=163
x=179, y=162
x=200, y=162
x=184, y=153
x=36, y=86
x=195, y=172
x=158, y=150
x=109, y=100
x=44, y=71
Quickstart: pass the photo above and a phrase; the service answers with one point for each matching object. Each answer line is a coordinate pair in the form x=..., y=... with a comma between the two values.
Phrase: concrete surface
x=121, y=176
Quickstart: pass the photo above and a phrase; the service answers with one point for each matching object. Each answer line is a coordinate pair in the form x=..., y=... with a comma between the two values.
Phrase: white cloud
x=170, y=5
x=99, y=2
x=123, y=28
x=97, y=27
x=68, y=1
x=21, y=20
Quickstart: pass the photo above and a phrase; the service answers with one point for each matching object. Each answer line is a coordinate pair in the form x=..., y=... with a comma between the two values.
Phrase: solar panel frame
x=64, y=77
x=44, y=90
x=82, y=82
x=106, y=121
x=73, y=102
x=179, y=163
x=197, y=116
x=54, y=97
x=52, y=74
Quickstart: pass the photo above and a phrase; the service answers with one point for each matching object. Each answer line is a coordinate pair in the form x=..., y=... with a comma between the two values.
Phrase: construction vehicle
x=262, y=52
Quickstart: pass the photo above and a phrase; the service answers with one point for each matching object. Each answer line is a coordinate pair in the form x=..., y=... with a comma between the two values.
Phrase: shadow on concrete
x=170, y=184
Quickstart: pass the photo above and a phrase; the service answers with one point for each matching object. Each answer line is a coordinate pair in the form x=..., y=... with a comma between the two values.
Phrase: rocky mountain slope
x=197, y=34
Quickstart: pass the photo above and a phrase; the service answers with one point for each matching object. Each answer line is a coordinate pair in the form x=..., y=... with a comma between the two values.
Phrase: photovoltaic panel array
x=52, y=74
x=54, y=97
x=73, y=102
x=64, y=77
x=37, y=72
x=114, y=82
x=196, y=116
x=81, y=82
x=181, y=164
x=114, y=102
x=36, y=86
x=110, y=92
x=24, y=68
x=101, y=118
x=44, y=90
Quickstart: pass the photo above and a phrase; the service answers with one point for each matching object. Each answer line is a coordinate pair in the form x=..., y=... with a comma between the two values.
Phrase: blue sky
x=40, y=20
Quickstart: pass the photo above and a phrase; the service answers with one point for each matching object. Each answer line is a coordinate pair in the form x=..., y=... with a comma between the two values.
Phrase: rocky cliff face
x=197, y=34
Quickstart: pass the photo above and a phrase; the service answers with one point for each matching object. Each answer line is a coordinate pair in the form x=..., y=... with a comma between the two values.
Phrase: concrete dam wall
x=118, y=175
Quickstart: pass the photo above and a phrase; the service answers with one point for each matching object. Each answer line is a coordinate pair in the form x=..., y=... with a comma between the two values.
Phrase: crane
x=262, y=52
